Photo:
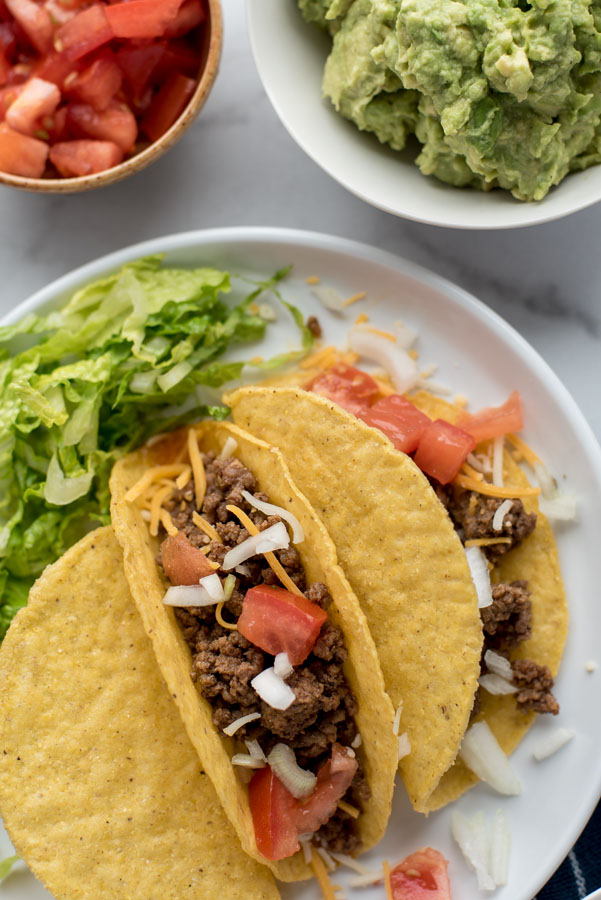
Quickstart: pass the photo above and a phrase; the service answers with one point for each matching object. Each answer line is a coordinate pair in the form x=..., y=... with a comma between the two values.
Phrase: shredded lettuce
x=129, y=356
x=6, y=865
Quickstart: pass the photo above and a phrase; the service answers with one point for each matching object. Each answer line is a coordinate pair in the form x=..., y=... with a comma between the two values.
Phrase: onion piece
x=481, y=752
x=255, y=750
x=497, y=460
x=495, y=684
x=267, y=312
x=397, y=718
x=406, y=336
x=275, y=537
x=365, y=880
x=401, y=368
x=498, y=664
x=282, y=665
x=480, y=575
x=547, y=483
x=551, y=742
x=561, y=508
x=404, y=745
x=272, y=689
x=329, y=297
x=249, y=762
x=213, y=586
x=305, y=843
x=500, y=513
x=192, y=595
x=357, y=741
x=228, y=448
x=500, y=846
x=233, y=727
x=242, y=570
x=328, y=861
x=283, y=762
x=472, y=837
x=345, y=860
x=270, y=509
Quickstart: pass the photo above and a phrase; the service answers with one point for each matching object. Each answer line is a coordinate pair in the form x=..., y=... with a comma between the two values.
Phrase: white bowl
x=290, y=56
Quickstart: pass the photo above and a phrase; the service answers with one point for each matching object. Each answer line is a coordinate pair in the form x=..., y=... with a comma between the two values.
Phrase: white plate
x=481, y=356
x=290, y=56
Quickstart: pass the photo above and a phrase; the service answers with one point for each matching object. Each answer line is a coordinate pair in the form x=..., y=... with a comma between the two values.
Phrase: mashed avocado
x=500, y=93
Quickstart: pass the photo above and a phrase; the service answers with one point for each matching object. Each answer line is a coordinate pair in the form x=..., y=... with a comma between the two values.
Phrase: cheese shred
x=152, y=475
x=491, y=490
x=274, y=563
x=231, y=626
x=387, y=882
x=487, y=542
x=361, y=295
x=198, y=469
x=347, y=808
x=167, y=522
x=155, y=508
x=523, y=448
x=206, y=527
x=320, y=872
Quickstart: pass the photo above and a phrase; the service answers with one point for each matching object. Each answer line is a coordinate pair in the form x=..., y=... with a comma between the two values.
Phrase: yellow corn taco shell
x=100, y=788
x=402, y=557
x=375, y=716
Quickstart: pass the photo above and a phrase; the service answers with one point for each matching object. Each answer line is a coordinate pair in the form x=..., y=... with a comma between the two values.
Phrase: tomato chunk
x=138, y=65
x=273, y=810
x=348, y=387
x=279, y=621
x=141, y=18
x=495, y=420
x=421, y=876
x=88, y=30
x=117, y=123
x=333, y=781
x=35, y=22
x=8, y=95
x=442, y=450
x=169, y=103
x=98, y=84
x=399, y=419
x=182, y=561
x=21, y=154
x=190, y=15
x=38, y=98
x=55, y=68
x=73, y=158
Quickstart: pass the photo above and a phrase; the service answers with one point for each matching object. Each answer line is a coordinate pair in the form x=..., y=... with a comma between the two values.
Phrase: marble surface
x=237, y=165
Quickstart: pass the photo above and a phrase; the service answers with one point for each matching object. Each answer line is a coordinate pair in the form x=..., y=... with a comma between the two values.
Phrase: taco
x=401, y=549
x=100, y=788
x=261, y=642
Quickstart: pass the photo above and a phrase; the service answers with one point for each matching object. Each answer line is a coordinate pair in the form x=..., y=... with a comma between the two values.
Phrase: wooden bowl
x=210, y=54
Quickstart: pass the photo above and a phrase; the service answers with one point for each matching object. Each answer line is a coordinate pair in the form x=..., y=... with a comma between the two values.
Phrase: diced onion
x=397, y=718
x=275, y=537
x=476, y=463
x=497, y=461
x=242, y=570
x=495, y=684
x=501, y=512
x=500, y=846
x=548, y=485
x=192, y=595
x=283, y=762
x=552, y=742
x=233, y=727
x=249, y=762
x=228, y=587
x=255, y=750
x=267, y=312
x=213, y=586
x=365, y=880
x=228, y=449
x=498, y=664
x=480, y=575
x=481, y=752
x=472, y=837
x=401, y=368
x=357, y=741
x=404, y=745
x=176, y=374
x=282, y=665
x=328, y=861
x=561, y=508
x=405, y=336
x=273, y=690
x=329, y=297
x=435, y=387
x=270, y=509
x=353, y=864
x=306, y=848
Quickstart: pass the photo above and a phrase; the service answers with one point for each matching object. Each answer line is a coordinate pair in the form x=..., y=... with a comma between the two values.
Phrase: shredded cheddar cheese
x=319, y=358
x=491, y=490
x=385, y=334
x=384, y=388
x=274, y=563
x=471, y=472
x=361, y=295
x=198, y=469
x=363, y=317
x=487, y=542
x=167, y=522
x=523, y=448
x=387, y=882
x=254, y=309
x=347, y=808
x=152, y=475
x=218, y=615
x=155, y=508
x=312, y=279
x=206, y=527
x=256, y=360
x=182, y=480
x=350, y=358
x=413, y=354
x=320, y=871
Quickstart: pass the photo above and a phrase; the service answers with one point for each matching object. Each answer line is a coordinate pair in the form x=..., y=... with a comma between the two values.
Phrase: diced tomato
x=73, y=158
x=87, y=31
x=399, y=419
x=190, y=15
x=21, y=154
x=180, y=55
x=279, y=621
x=168, y=104
x=8, y=41
x=55, y=125
x=58, y=13
x=55, y=68
x=495, y=420
x=35, y=22
x=334, y=778
x=442, y=450
x=141, y=18
x=117, y=123
x=98, y=84
x=138, y=64
x=421, y=876
x=182, y=561
x=38, y=98
x=273, y=810
x=8, y=95
x=348, y=387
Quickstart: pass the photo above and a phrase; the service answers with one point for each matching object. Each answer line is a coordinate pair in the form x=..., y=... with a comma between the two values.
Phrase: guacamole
x=499, y=93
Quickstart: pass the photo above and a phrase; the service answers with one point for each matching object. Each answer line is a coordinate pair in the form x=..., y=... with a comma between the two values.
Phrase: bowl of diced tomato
x=93, y=91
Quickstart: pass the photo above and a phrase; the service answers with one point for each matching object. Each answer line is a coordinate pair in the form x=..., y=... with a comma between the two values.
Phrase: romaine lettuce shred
x=129, y=356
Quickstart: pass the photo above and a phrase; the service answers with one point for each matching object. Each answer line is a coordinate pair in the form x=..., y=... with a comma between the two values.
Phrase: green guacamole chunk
x=499, y=93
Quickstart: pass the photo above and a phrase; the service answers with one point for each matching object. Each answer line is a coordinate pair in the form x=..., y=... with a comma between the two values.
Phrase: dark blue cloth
x=580, y=873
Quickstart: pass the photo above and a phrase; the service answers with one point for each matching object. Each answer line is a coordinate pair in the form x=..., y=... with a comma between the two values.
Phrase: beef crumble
x=474, y=513
x=534, y=685
x=508, y=620
x=224, y=662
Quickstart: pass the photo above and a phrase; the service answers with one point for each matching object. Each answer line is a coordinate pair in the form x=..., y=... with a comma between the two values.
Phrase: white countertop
x=237, y=165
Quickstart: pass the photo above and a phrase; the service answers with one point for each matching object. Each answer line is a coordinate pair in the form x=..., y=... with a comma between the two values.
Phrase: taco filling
x=267, y=659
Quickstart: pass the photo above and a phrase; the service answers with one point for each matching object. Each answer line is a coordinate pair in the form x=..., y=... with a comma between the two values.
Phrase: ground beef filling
x=224, y=662
x=474, y=513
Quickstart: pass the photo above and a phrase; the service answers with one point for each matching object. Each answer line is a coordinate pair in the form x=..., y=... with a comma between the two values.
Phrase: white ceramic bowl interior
x=290, y=56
